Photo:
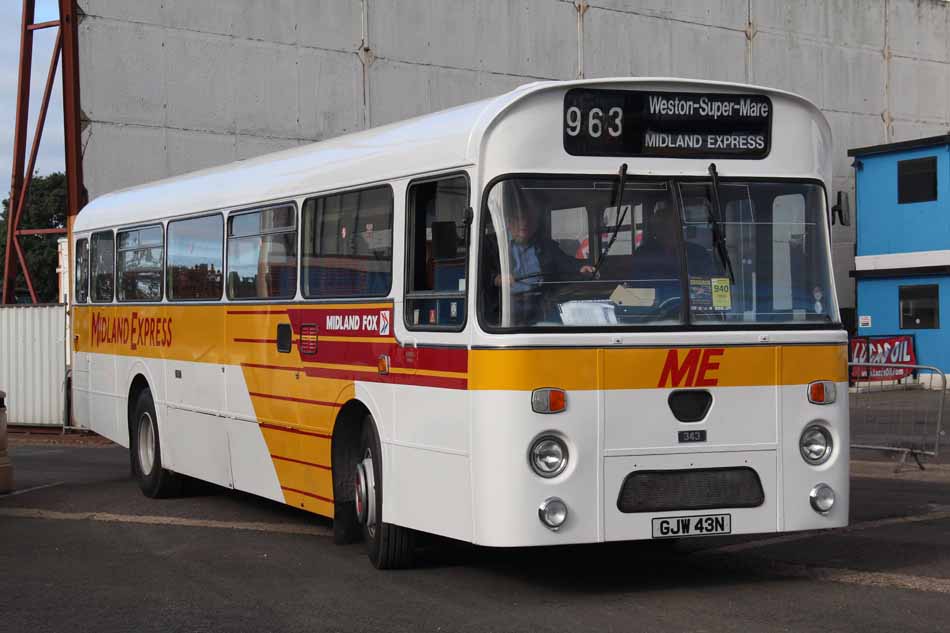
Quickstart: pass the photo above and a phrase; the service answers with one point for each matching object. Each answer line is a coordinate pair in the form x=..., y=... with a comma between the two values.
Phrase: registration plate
x=706, y=525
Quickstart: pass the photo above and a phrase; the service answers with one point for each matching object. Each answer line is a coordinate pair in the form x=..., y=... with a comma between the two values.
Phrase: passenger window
x=195, y=266
x=103, y=266
x=438, y=252
x=262, y=254
x=82, y=270
x=139, y=255
x=348, y=244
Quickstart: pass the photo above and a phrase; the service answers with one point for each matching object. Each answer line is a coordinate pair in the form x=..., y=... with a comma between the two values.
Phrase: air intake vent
x=699, y=489
x=690, y=405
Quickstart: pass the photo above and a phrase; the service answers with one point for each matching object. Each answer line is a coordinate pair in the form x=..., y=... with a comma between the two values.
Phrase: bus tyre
x=388, y=546
x=145, y=446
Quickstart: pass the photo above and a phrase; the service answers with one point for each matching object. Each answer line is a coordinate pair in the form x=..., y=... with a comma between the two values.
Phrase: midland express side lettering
x=134, y=331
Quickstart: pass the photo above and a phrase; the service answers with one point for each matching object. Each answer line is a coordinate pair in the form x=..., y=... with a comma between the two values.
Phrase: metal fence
x=903, y=415
x=33, y=363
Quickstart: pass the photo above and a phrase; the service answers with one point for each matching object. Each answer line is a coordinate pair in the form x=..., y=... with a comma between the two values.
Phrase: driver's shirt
x=524, y=259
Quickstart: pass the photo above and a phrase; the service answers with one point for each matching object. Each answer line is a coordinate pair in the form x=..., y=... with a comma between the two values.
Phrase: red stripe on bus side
x=346, y=374
x=272, y=396
x=257, y=311
x=285, y=429
x=306, y=494
x=298, y=461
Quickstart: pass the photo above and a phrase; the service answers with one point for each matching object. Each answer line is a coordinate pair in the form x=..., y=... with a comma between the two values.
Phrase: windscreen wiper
x=715, y=219
x=617, y=204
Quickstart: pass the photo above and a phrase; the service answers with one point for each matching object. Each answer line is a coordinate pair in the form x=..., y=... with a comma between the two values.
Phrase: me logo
x=384, y=323
x=693, y=371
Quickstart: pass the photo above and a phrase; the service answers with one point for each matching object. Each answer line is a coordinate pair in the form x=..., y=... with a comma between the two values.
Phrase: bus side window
x=437, y=254
x=82, y=270
x=348, y=244
x=195, y=259
x=103, y=266
x=262, y=254
x=139, y=257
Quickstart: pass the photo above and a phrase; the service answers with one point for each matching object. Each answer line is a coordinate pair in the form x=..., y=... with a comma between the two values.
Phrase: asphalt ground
x=82, y=550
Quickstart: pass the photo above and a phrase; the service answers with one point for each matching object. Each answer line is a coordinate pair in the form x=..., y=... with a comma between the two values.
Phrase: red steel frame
x=66, y=47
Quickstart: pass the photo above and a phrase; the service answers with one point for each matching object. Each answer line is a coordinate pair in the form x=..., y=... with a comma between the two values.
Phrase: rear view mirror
x=841, y=212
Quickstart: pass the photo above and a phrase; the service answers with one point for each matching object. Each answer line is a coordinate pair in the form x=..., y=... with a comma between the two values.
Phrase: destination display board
x=666, y=124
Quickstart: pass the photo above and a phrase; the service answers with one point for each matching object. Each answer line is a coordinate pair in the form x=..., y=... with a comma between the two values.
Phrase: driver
x=658, y=256
x=534, y=259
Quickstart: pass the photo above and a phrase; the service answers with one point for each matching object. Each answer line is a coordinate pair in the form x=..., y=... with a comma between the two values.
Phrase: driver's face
x=523, y=225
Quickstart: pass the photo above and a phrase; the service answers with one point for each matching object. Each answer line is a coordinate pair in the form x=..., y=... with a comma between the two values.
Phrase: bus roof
x=438, y=141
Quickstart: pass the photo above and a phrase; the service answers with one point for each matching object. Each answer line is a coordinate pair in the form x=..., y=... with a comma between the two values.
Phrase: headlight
x=816, y=444
x=548, y=456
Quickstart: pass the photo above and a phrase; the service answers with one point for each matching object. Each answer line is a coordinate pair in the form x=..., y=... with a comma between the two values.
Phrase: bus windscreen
x=557, y=253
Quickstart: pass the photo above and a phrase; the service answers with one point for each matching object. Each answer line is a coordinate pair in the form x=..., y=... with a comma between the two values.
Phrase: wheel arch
x=344, y=448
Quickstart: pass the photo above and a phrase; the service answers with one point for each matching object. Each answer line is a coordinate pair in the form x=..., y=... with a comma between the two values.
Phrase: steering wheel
x=669, y=308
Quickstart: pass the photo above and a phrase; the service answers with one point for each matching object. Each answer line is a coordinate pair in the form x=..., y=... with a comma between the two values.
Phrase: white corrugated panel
x=33, y=363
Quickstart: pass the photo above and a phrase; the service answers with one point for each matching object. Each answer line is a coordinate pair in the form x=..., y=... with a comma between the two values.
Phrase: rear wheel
x=388, y=546
x=145, y=446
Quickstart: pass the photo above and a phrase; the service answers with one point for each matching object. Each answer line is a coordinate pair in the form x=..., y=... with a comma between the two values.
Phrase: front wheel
x=154, y=480
x=388, y=546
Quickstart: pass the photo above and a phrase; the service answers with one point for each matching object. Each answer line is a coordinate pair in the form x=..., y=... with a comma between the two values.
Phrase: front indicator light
x=816, y=444
x=553, y=513
x=822, y=498
x=548, y=456
x=548, y=400
x=822, y=392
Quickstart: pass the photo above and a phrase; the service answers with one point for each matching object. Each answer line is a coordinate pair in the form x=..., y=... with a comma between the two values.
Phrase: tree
x=45, y=209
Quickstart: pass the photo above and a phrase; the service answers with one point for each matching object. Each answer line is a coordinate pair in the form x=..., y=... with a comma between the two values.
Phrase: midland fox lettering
x=694, y=371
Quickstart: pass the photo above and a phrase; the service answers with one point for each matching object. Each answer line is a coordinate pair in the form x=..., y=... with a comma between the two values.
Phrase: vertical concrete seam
x=750, y=32
x=365, y=61
x=886, y=117
x=167, y=161
x=581, y=6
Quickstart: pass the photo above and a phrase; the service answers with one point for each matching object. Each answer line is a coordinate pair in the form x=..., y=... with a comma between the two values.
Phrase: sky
x=50, y=156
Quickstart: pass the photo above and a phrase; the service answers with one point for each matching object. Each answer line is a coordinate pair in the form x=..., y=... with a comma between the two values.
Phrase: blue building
x=902, y=250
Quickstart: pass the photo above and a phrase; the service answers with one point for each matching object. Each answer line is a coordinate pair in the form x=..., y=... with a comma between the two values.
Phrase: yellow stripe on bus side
x=650, y=368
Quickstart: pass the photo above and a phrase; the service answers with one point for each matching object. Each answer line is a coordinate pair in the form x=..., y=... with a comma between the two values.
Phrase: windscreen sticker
x=721, y=293
x=700, y=294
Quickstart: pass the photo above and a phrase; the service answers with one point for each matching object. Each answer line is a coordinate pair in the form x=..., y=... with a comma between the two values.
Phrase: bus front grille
x=693, y=489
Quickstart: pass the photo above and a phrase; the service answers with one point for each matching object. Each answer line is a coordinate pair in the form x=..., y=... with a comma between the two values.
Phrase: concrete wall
x=169, y=86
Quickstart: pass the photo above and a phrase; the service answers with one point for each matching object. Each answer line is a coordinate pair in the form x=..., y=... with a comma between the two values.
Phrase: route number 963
x=595, y=124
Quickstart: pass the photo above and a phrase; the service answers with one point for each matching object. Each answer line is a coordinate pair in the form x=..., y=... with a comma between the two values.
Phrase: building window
x=437, y=254
x=348, y=244
x=103, y=266
x=139, y=255
x=82, y=270
x=194, y=271
x=920, y=307
x=262, y=254
x=917, y=180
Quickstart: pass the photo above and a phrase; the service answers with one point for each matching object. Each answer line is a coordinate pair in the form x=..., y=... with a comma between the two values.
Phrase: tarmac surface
x=82, y=550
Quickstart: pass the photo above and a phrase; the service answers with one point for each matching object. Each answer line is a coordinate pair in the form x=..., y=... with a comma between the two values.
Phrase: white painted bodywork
x=914, y=259
x=455, y=461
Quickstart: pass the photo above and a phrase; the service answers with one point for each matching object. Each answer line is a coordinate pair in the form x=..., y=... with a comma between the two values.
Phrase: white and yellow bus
x=579, y=312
